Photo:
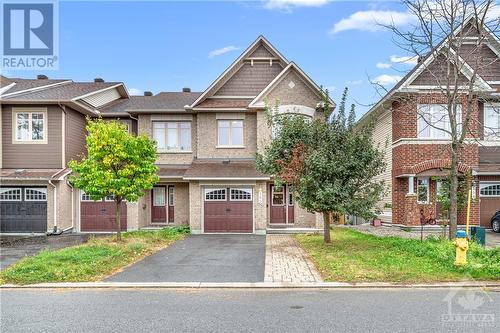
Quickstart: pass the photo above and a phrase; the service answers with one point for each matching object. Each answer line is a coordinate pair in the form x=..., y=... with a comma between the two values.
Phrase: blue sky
x=166, y=45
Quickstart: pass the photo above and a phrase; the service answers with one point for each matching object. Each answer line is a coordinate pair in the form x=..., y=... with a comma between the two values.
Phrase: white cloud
x=135, y=92
x=413, y=60
x=386, y=79
x=383, y=65
x=371, y=20
x=288, y=4
x=221, y=51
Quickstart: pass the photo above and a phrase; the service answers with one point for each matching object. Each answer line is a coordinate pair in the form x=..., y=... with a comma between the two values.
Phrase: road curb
x=252, y=285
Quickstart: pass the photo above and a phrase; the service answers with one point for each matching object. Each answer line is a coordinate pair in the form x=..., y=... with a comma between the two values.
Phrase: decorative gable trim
x=232, y=69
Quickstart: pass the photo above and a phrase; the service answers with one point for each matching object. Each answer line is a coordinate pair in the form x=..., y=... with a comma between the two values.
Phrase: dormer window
x=30, y=126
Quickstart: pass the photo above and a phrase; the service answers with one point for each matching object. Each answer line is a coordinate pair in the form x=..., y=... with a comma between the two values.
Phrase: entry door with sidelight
x=162, y=210
x=281, y=205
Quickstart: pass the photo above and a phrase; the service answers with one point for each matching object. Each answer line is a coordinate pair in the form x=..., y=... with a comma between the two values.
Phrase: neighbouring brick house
x=418, y=152
x=207, y=143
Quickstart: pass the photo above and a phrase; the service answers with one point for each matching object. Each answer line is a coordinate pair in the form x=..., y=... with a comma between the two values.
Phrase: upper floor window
x=172, y=135
x=30, y=126
x=434, y=121
x=492, y=122
x=230, y=133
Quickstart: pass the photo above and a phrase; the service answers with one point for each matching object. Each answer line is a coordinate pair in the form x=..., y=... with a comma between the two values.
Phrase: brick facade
x=411, y=157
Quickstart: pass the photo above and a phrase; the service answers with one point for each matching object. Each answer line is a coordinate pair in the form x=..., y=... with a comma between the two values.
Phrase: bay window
x=172, y=135
x=434, y=121
x=230, y=133
x=492, y=122
x=30, y=126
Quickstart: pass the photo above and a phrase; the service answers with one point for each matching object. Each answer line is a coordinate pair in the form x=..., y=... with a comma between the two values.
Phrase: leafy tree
x=444, y=193
x=329, y=163
x=117, y=164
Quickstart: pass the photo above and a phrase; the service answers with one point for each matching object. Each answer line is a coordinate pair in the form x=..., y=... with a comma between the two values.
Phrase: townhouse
x=418, y=150
x=207, y=142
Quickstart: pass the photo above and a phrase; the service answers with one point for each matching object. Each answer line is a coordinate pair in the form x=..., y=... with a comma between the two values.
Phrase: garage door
x=228, y=210
x=490, y=201
x=23, y=209
x=100, y=215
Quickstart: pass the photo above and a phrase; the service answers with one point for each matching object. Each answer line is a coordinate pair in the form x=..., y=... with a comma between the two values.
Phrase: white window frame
x=428, y=190
x=482, y=185
x=230, y=138
x=171, y=195
x=41, y=189
x=494, y=108
x=30, y=112
x=246, y=190
x=179, y=128
x=17, y=189
x=435, y=133
x=83, y=197
x=157, y=189
x=272, y=196
x=207, y=190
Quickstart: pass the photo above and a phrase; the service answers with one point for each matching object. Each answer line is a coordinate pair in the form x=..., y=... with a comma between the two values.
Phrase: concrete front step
x=293, y=230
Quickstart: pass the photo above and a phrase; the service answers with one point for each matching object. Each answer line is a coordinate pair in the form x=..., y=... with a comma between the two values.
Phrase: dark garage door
x=100, y=215
x=23, y=209
x=228, y=210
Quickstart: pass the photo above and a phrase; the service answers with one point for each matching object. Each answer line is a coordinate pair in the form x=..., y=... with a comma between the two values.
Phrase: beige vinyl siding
x=382, y=138
x=38, y=155
x=75, y=134
x=102, y=98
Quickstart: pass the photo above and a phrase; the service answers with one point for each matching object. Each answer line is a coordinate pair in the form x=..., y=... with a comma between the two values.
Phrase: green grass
x=354, y=256
x=92, y=261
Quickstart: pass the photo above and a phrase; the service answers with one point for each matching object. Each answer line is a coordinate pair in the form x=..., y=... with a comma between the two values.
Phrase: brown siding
x=42, y=156
x=250, y=80
x=261, y=52
x=75, y=134
x=436, y=71
x=489, y=155
x=488, y=65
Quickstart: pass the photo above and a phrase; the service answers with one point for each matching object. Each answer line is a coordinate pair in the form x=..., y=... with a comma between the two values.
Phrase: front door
x=281, y=205
x=162, y=208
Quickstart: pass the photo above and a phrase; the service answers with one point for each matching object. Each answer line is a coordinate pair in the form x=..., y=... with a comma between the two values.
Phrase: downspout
x=54, y=207
x=72, y=206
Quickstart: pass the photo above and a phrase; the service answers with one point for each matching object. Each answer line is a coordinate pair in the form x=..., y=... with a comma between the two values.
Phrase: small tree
x=329, y=164
x=117, y=164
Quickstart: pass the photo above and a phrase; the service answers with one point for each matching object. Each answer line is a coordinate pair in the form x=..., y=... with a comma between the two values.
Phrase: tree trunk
x=453, y=190
x=326, y=228
x=118, y=222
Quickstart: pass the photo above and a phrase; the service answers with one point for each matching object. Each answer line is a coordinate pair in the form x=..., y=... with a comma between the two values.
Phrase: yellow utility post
x=467, y=226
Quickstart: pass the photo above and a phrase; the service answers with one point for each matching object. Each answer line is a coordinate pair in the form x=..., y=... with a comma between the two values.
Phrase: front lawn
x=353, y=256
x=92, y=261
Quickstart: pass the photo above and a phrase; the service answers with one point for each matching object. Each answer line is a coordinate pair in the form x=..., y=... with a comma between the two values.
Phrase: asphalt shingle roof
x=23, y=84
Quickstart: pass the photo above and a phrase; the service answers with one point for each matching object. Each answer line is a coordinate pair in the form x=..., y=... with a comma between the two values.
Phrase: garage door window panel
x=490, y=190
x=241, y=194
x=215, y=194
x=35, y=194
x=10, y=194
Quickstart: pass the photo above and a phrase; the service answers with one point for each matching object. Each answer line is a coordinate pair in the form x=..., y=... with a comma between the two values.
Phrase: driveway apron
x=202, y=258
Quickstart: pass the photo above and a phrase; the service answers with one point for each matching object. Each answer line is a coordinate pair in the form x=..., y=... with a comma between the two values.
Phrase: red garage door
x=228, y=210
x=100, y=215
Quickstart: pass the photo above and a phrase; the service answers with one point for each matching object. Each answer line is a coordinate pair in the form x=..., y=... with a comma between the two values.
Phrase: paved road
x=202, y=258
x=154, y=310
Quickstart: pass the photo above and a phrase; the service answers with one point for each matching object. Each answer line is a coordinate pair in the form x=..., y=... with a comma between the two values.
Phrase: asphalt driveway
x=202, y=258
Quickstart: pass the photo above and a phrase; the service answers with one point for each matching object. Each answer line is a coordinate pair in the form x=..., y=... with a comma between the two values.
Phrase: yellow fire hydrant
x=461, y=246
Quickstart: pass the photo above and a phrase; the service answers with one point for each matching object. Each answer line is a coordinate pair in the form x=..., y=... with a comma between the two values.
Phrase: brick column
x=412, y=215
